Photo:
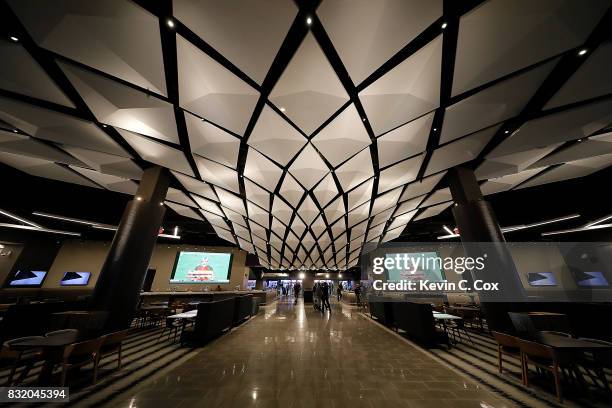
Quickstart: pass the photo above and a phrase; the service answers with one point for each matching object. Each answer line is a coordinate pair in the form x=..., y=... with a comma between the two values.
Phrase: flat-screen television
x=541, y=279
x=590, y=279
x=28, y=279
x=420, y=266
x=75, y=278
x=201, y=267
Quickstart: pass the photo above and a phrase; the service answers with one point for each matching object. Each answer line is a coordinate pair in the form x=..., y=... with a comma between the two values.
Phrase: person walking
x=325, y=297
x=296, y=291
x=358, y=294
x=339, y=292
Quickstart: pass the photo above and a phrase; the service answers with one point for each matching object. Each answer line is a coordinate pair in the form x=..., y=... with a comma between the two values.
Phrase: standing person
x=358, y=293
x=296, y=291
x=325, y=297
x=317, y=296
x=339, y=292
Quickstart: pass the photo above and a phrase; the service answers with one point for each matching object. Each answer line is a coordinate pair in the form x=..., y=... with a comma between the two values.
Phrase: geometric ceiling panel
x=406, y=92
x=217, y=174
x=409, y=205
x=437, y=197
x=282, y=211
x=261, y=170
x=358, y=214
x=114, y=36
x=224, y=234
x=511, y=163
x=382, y=217
x=356, y=170
x=177, y=196
x=375, y=232
x=400, y=173
x=231, y=201
x=249, y=34
x=257, y=195
x=386, y=200
x=309, y=90
x=308, y=168
x=298, y=227
x=186, y=212
x=215, y=220
x=493, y=105
x=593, y=146
x=405, y=141
x=121, y=106
x=460, y=151
x=368, y=33
x=208, y=206
x=212, y=142
x=44, y=168
x=334, y=211
x=308, y=211
x=113, y=183
x=591, y=80
x=500, y=37
x=433, y=210
x=563, y=126
x=196, y=186
x=57, y=127
x=421, y=187
x=106, y=163
x=258, y=215
x=258, y=230
x=236, y=218
x=24, y=76
x=157, y=153
x=343, y=137
x=326, y=190
x=275, y=137
x=291, y=191
x=360, y=194
x=28, y=146
x=209, y=90
x=505, y=183
x=401, y=220
x=571, y=170
x=318, y=226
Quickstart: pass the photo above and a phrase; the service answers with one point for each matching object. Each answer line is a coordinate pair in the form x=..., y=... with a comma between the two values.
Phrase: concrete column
x=118, y=288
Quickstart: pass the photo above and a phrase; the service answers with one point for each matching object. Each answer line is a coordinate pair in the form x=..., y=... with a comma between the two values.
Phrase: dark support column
x=477, y=224
x=118, y=288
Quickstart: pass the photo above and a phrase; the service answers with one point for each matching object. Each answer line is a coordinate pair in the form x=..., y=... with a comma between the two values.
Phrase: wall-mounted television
x=202, y=267
x=590, y=279
x=28, y=279
x=75, y=278
x=420, y=266
x=541, y=279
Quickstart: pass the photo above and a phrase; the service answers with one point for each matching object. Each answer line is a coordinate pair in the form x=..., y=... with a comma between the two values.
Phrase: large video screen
x=202, y=267
x=416, y=266
x=75, y=278
x=541, y=279
x=28, y=278
x=590, y=279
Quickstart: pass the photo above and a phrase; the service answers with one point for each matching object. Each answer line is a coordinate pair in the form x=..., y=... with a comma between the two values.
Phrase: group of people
x=321, y=292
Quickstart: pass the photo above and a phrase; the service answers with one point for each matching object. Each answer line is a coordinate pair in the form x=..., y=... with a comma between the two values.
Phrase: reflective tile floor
x=293, y=356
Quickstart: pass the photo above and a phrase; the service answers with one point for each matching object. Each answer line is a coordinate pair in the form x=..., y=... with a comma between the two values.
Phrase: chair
x=458, y=326
x=543, y=357
x=509, y=345
x=78, y=355
x=111, y=343
x=596, y=361
x=18, y=357
x=67, y=332
x=523, y=325
x=172, y=325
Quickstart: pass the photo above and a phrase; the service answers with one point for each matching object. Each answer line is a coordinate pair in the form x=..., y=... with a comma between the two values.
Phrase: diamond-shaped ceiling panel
x=406, y=92
x=309, y=90
x=313, y=136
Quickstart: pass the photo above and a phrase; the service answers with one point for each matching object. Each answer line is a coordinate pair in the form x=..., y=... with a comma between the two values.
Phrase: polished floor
x=293, y=356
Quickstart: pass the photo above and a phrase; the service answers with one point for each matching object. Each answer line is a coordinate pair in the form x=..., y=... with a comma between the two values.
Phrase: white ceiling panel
x=177, y=196
x=106, y=163
x=208, y=89
x=591, y=147
x=217, y=174
x=356, y=170
x=433, y=211
x=309, y=90
x=342, y=137
x=257, y=194
x=308, y=168
x=110, y=182
x=407, y=91
x=212, y=142
x=189, y=213
x=409, y=205
x=500, y=37
x=281, y=210
x=16, y=143
x=114, y=36
x=571, y=170
x=334, y=210
x=196, y=186
x=438, y=196
x=258, y=215
x=291, y=190
x=326, y=190
x=261, y=170
x=511, y=163
x=421, y=187
x=361, y=194
x=405, y=141
x=401, y=220
x=399, y=174
x=231, y=201
x=208, y=205
x=308, y=210
x=505, y=183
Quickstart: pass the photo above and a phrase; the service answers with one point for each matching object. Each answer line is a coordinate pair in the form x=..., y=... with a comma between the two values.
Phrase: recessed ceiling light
x=582, y=51
x=506, y=131
x=309, y=21
x=435, y=129
x=444, y=25
x=103, y=126
x=282, y=109
x=580, y=140
x=363, y=119
x=14, y=39
x=15, y=131
x=170, y=23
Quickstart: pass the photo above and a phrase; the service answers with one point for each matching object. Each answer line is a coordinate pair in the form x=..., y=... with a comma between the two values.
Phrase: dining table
x=185, y=315
x=560, y=342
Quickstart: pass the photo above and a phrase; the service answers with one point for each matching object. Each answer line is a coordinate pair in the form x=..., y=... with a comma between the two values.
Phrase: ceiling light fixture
x=18, y=218
x=282, y=109
x=15, y=131
x=170, y=23
x=450, y=232
x=506, y=132
x=582, y=52
x=444, y=25
x=30, y=228
x=14, y=39
x=308, y=20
